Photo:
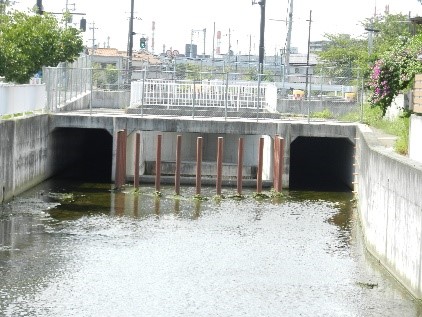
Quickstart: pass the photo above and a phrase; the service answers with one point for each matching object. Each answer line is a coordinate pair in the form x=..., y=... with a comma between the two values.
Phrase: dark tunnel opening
x=82, y=154
x=321, y=164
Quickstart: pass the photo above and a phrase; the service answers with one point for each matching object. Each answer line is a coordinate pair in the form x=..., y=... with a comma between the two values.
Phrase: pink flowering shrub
x=393, y=73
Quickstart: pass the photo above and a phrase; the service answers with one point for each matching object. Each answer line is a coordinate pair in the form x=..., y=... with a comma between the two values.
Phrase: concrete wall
x=110, y=99
x=415, y=134
x=24, y=154
x=289, y=130
x=82, y=102
x=209, y=149
x=302, y=107
x=22, y=98
x=390, y=208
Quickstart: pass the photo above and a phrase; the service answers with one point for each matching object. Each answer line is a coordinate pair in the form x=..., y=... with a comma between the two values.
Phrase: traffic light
x=82, y=25
x=143, y=43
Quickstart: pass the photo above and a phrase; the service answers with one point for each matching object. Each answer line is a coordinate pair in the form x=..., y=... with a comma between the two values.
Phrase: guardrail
x=206, y=94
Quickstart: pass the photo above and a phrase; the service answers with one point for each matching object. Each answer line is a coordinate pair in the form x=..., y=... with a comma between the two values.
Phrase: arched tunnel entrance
x=82, y=154
x=323, y=164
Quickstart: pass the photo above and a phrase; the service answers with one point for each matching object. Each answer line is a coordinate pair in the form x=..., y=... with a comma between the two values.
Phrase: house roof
x=141, y=56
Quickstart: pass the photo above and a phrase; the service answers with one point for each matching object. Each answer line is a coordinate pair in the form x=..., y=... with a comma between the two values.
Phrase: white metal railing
x=22, y=98
x=207, y=94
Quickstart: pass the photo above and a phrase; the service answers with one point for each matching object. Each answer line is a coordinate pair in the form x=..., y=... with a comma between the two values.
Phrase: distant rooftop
x=141, y=56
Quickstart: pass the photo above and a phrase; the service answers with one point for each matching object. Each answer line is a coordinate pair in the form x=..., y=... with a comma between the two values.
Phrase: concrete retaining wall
x=24, y=154
x=390, y=208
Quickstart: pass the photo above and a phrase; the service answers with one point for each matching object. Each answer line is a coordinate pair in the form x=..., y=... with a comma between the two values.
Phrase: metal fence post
x=143, y=93
x=259, y=97
x=91, y=92
x=226, y=97
x=193, y=99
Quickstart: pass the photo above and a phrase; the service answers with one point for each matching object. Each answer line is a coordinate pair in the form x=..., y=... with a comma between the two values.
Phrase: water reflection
x=297, y=255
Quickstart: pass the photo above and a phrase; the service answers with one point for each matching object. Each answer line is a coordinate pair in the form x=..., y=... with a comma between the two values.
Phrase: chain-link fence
x=303, y=94
x=67, y=82
x=198, y=90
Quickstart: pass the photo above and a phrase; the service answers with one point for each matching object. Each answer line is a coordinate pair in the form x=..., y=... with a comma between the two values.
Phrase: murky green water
x=83, y=250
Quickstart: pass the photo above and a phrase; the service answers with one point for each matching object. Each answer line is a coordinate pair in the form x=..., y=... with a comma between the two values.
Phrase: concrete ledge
x=209, y=169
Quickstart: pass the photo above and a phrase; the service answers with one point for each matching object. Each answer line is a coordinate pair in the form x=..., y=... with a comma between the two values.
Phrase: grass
x=15, y=115
x=398, y=127
x=324, y=114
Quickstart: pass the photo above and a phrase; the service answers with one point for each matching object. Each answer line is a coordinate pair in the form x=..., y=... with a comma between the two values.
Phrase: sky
x=178, y=22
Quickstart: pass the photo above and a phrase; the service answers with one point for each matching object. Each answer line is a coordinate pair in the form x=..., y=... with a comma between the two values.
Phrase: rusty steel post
x=117, y=177
x=219, y=165
x=260, y=165
x=275, y=160
x=158, y=164
x=178, y=163
x=198, y=165
x=136, y=170
x=240, y=166
x=120, y=176
x=276, y=163
x=281, y=163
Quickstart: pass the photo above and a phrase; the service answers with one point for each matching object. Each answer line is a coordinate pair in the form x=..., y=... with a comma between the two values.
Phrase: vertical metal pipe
x=260, y=165
x=261, y=37
x=198, y=164
x=281, y=164
x=226, y=97
x=193, y=99
x=158, y=163
x=276, y=162
x=259, y=97
x=178, y=163
x=120, y=171
x=219, y=165
x=240, y=166
x=117, y=177
x=136, y=170
x=124, y=152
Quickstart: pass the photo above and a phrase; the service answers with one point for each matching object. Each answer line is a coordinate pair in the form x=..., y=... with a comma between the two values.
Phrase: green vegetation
x=15, y=115
x=388, y=66
x=324, y=114
x=29, y=41
x=374, y=117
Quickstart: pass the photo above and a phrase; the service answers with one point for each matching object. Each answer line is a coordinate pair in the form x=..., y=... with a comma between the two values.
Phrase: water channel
x=82, y=249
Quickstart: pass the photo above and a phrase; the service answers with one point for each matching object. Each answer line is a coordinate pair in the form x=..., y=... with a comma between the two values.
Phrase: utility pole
x=288, y=40
x=68, y=17
x=130, y=38
x=307, y=57
x=93, y=28
x=261, y=37
x=371, y=32
x=213, y=47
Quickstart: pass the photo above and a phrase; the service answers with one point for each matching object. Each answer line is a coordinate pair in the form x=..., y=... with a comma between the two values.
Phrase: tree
x=28, y=42
x=394, y=72
x=345, y=52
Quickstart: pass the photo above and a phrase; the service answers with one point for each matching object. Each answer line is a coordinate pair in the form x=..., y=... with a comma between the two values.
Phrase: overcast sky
x=175, y=20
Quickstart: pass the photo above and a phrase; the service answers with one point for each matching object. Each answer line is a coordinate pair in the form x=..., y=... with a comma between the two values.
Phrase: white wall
x=415, y=137
x=22, y=98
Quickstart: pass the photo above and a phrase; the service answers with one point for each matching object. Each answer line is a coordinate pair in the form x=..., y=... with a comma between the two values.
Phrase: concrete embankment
x=390, y=208
x=24, y=154
x=389, y=186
